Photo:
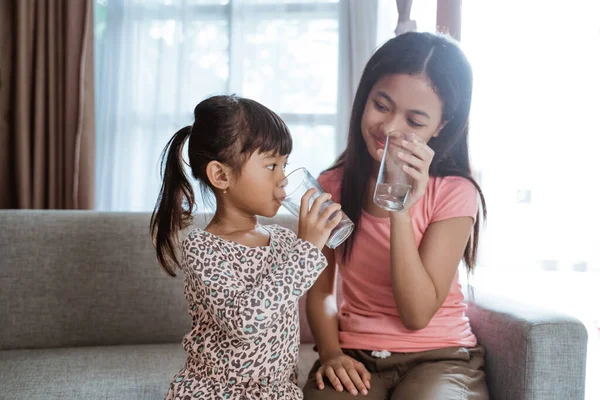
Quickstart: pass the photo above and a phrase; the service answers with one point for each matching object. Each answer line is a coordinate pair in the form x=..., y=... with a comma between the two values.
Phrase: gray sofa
x=85, y=312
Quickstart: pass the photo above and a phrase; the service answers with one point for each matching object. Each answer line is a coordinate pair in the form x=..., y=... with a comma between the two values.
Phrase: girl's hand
x=344, y=372
x=418, y=157
x=314, y=227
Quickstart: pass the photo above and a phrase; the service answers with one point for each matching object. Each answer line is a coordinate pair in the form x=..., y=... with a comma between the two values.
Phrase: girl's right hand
x=314, y=227
x=344, y=372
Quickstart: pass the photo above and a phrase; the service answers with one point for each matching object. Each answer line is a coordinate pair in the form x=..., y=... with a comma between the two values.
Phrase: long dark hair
x=227, y=129
x=441, y=60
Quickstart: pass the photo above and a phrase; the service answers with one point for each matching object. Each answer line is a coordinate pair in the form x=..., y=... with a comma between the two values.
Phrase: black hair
x=227, y=129
x=442, y=62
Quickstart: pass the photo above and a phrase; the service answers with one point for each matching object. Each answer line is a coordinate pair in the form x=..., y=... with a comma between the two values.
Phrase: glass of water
x=296, y=184
x=393, y=184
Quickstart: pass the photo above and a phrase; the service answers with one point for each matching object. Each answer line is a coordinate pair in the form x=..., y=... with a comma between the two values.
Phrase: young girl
x=401, y=332
x=242, y=280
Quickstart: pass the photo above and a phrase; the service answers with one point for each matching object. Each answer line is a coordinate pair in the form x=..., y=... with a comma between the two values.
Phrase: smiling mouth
x=379, y=141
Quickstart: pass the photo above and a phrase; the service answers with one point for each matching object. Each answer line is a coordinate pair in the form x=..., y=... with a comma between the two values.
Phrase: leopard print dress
x=243, y=302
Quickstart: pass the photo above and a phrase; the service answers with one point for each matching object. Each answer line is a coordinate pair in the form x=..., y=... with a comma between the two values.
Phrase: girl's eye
x=272, y=167
x=285, y=165
x=379, y=106
x=415, y=124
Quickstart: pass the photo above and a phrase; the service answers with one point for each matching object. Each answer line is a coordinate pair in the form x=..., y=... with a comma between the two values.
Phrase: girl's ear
x=439, y=129
x=219, y=175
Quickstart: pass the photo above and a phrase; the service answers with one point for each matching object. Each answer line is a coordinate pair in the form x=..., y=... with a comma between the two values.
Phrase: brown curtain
x=47, y=104
x=449, y=14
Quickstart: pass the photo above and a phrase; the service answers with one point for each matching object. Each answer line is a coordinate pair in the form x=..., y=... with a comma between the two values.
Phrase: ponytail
x=171, y=213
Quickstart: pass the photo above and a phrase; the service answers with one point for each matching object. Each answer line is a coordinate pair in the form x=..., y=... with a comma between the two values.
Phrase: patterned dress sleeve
x=246, y=312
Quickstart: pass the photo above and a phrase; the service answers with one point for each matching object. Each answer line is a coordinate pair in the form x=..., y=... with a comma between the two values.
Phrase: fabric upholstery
x=86, y=312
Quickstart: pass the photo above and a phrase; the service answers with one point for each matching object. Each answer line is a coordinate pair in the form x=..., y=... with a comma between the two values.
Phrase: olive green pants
x=444, y=374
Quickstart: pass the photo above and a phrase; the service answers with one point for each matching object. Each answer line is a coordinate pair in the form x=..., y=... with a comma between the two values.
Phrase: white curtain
x=534, y=130
x=358, y=40
x=156, y=59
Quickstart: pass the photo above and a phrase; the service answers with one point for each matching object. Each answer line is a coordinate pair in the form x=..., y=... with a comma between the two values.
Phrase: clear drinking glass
x=296, y=184
x=393, y=184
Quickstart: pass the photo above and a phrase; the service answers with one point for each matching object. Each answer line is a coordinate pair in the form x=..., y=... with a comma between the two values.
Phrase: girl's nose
x=396, y=124
x=281, y=183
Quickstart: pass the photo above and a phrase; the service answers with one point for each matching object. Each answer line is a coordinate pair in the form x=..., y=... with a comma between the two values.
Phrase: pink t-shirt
x=368, y=319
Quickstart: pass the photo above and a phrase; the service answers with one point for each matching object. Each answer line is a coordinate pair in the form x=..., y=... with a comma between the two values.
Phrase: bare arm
x=341, y=370
x=421, y=277
x=322, y=310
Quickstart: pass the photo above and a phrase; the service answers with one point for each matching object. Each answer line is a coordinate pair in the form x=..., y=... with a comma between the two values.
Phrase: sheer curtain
x=535, y=130
x=156, y=59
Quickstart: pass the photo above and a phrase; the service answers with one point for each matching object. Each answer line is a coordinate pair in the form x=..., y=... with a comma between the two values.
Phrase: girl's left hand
x=418, y=157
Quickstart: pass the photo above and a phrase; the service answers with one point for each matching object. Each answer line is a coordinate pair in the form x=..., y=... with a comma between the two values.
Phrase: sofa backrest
x=83, y=278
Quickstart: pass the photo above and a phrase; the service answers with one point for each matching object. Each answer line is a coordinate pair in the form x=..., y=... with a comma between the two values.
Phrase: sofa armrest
x=531, y=353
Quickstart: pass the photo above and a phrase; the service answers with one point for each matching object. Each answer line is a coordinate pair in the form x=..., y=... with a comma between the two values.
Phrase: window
x=156, y=59
x=534, y=139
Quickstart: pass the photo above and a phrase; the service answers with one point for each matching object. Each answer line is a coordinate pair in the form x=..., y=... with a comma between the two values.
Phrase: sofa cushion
x=75, y=278
x=306, y=360
x=107, y=372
